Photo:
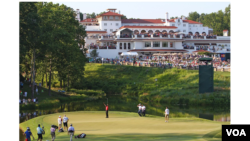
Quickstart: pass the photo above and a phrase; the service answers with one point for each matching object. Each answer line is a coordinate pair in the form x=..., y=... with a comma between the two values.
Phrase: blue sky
x=149, y=10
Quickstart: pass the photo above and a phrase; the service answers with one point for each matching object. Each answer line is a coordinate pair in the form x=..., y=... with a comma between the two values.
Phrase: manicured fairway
x=129, y=126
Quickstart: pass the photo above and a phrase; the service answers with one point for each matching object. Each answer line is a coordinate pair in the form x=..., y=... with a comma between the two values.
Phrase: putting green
x=129, y=126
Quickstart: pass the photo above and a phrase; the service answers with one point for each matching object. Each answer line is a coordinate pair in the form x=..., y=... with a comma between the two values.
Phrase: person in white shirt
x=25, y=94
x=166, y=114
x=65, y=122
x=143, y=110
x=71, y=131
x=140, y=109
x=59, y=122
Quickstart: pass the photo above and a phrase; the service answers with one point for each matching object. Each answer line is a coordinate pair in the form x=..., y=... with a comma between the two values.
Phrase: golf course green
x=128, y=126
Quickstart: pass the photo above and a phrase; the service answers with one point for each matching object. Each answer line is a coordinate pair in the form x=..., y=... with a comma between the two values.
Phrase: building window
x=111, y=17
x=105, y=24
x=116, y=17
x=124, y=45
x=178, y=20
x=184, y=30
x=105, y=17
x=171, y=44
x=173, y=24
x=105, y=29
x=120, y=45
x=156, y=44
x=164, y=44
x=147, y=44
x=128, y=45
x=111, y=30
x=117, y=24
x=184, y=25
x=189, y=25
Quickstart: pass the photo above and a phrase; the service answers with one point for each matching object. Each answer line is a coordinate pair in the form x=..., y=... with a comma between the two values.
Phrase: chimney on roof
x=84, y=16
x=225, y=32
x=78, y=15
x=166, y=17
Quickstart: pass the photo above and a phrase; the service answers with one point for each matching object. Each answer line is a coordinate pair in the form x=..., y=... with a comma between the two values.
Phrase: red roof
x=201, y=50
x=89, y=20
x=225, y=30
x=189, y=21
x=159, y=50
x=142, y=21
x=96, y=31
x=127, y=26
x=109, y=14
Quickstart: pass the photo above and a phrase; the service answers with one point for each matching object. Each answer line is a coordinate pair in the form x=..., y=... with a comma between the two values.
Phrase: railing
x=102, y=47
x=93, y=47
x=109, y=36
x=126, y=36
x=188, y=47
x=156, y=35
x=147, y=36
x=139, y=36
x=165, y=35
x=111, y=47
x=211, y=37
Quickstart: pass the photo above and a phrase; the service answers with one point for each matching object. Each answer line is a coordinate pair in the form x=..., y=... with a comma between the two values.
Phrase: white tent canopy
x=129, y=53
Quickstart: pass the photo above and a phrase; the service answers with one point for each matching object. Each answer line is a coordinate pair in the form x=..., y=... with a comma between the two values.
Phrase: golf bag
x=54, y=126
x=43, y=130
x=81, y=136
x=61, y=130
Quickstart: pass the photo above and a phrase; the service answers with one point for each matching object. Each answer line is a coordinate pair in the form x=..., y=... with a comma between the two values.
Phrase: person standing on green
x=107, y=110
x=39, y=133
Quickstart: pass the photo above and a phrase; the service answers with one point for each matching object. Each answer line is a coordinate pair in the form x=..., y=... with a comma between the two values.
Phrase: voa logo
x=236, y=132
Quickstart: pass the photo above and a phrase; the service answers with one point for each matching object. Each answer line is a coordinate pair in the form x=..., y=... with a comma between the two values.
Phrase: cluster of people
x=27, y=101
x=141, y=110
x=40, y=131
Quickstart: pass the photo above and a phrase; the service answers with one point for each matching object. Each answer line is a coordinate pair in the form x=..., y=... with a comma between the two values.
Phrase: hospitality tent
x=129, y=53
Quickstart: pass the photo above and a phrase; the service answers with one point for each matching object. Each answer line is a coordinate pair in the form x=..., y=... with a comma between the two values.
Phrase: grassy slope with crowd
x=173, y=86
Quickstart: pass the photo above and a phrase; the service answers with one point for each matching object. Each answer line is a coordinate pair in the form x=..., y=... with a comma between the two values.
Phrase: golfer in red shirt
x=107, y=110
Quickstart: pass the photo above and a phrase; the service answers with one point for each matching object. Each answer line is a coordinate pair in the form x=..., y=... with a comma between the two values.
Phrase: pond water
x=130, y=105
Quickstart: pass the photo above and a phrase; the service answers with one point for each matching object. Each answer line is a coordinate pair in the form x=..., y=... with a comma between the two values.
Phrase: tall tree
x=193, y=16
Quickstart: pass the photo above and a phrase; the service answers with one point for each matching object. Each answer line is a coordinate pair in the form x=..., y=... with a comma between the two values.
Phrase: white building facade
x=111, y=35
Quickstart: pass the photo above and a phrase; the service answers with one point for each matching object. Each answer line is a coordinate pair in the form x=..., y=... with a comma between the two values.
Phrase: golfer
x=28, y=134
x=59, y=122
x=39, y=133
x=52, y=132
x=166, y=114
x=65, y=122
x=140, y=109
x=71, y=131
x=143, y=110
x=107, y=110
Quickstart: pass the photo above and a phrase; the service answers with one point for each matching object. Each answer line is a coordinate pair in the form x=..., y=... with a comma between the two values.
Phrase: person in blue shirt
x=39, y=133
x=28, y=134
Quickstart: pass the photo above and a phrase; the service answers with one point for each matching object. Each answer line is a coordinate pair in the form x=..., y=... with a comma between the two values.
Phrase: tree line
x=50, y=42
x=218, y=21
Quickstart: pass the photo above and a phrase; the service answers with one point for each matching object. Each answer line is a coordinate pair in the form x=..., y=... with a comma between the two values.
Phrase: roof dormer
x=111, y=10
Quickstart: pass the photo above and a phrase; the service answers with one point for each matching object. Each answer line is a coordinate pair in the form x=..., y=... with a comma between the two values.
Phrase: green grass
x=125, y=126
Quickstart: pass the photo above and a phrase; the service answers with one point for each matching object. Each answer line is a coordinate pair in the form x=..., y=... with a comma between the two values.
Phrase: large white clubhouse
x=111, y=35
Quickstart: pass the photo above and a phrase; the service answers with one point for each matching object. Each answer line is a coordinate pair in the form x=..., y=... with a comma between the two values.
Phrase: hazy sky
x=148, y=10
